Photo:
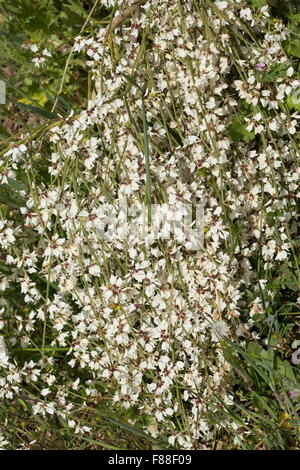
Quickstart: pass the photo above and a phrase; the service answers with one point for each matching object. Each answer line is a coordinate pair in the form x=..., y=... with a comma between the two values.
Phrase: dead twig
x=127, y=13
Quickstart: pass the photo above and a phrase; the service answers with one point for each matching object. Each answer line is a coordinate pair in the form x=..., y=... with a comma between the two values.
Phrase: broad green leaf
x=237, y=131
x=293, y=48
x=293, y=101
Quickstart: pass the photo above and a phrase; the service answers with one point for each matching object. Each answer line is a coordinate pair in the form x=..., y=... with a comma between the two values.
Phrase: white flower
x=16, y=152
x=273, y=125
x=55, y=247
x=246, y=14
x=50, y=408
x=34, y=48
x=222, y=5
x=94, y=270
x=3, y=442
x=282, y=252
x=76, y=384
x=3, y=353
x=38, y=61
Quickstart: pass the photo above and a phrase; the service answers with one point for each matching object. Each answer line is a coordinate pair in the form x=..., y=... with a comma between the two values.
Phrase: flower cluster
x=141, y=314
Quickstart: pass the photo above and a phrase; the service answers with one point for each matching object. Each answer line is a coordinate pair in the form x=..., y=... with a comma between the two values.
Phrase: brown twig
x=127, y=13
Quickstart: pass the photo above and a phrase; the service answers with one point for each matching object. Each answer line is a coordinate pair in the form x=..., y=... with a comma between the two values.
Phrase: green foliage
x=293, y=102
x=37, y=110
x=237, y=129
x=292, y=44
x=263, y=379
x=10, y=197
x=292, y=48
x=277, y=71
x=51, y=24
x=43, y=15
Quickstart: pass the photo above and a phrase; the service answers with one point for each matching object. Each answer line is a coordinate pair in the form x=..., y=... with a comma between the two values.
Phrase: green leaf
x=293, y=48
x=45, y=281
x=261, y=403
x=255, y=350
x=293, y=101
x=17, y=185
x=10, y=198
x=37, y=110
x=134, y=430
x=101, y=443
x=278, y=71
x=237, y=131
x=285, y=369
x=4, y=132
x=259, y=3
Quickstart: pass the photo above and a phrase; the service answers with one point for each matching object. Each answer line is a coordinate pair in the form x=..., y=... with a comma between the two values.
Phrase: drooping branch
x=127, y=13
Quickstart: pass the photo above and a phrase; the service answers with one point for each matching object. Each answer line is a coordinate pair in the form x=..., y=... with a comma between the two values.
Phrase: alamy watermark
x=181, y=222
x=296, y=354
x=2, y=92
x=295, y=97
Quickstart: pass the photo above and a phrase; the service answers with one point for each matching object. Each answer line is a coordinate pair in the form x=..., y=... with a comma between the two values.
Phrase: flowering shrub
x=196, y=94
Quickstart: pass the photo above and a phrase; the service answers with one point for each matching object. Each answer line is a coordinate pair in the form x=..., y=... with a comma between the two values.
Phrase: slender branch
x=71, y=53
x=127, y=13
